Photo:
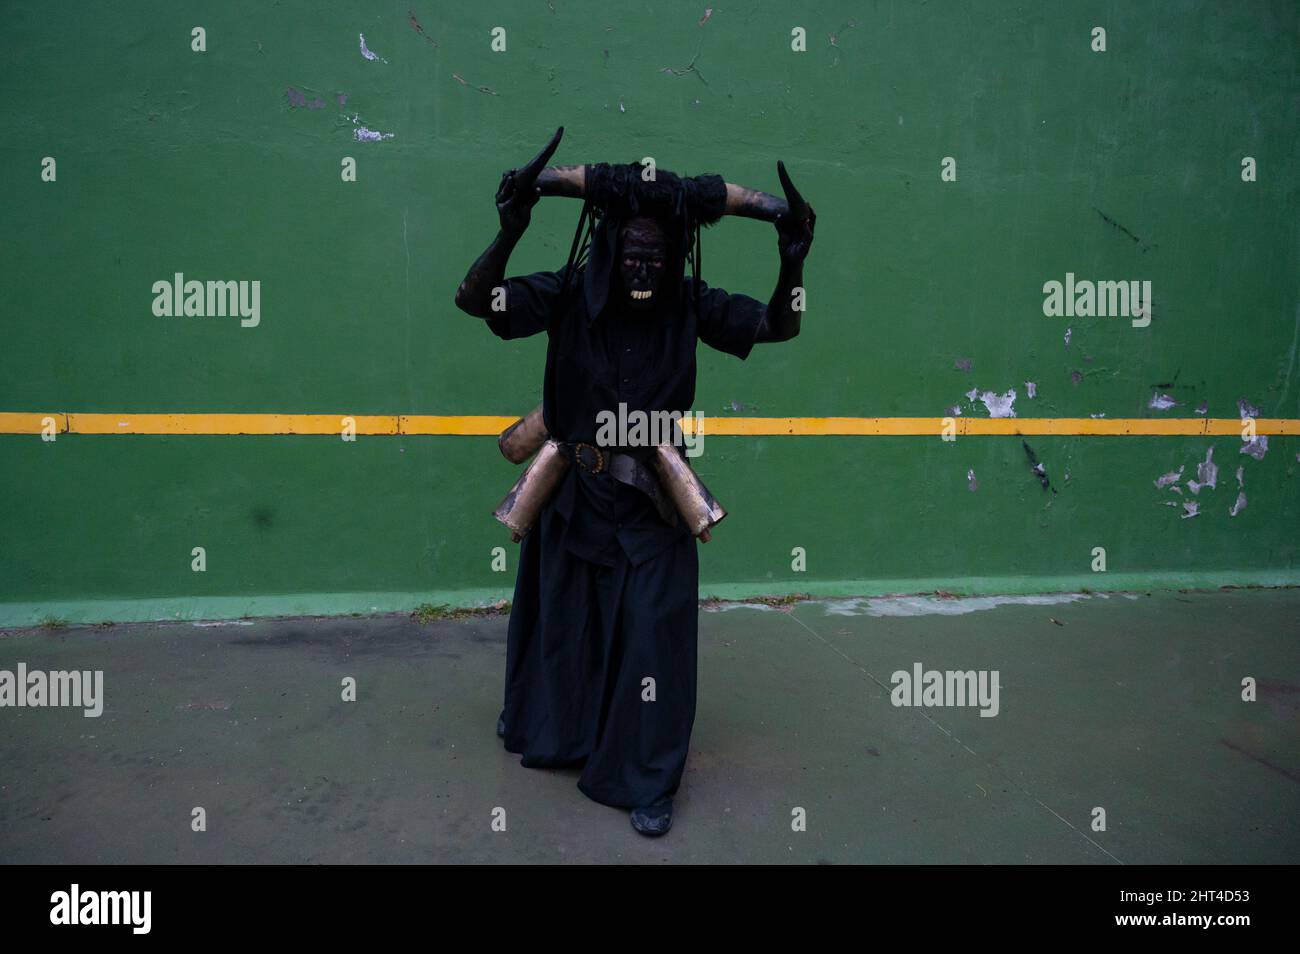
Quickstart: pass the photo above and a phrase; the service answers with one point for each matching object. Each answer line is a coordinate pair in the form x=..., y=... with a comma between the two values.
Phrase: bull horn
x=527, y=174
x=570, y=181
x=798, y=207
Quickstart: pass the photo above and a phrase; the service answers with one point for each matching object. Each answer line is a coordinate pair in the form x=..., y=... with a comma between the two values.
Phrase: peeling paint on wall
x=1031, y=389
x=1256, y=447
x=1162, y=402
x=1206, y=474
x=1164, y=480
x=1192, y=507
x=971, y=482
x=365, y=51
x=999, y=405
x=1239, y=506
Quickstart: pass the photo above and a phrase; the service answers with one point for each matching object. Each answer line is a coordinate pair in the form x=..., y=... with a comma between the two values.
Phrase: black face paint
x=643, y=257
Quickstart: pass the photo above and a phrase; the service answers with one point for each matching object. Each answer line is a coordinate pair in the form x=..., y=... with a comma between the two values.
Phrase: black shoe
x=501, y=726
x=654, y=820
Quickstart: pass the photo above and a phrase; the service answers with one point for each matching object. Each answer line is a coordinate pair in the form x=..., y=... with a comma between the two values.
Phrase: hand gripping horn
x=527, y=175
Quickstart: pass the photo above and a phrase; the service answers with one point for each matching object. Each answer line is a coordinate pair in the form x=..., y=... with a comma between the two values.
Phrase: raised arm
x=515, y=198
x=794, y=230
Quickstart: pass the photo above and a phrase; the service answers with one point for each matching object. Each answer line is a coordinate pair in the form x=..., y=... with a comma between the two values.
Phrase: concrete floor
x=1127, y=702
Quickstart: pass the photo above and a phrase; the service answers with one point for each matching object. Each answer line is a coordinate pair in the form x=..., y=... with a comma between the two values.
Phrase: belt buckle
x=600, y=458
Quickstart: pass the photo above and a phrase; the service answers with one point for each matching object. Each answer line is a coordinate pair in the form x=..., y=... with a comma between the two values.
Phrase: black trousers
x=601, y=666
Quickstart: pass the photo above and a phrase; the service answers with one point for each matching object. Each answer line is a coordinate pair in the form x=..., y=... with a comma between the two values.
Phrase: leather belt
x=624, y=468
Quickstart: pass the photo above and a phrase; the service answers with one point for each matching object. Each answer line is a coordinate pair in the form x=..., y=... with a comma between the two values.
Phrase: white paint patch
x=1239, y=506
x=1031, y=389
x=1068, y=333
x=933, y=606
x=1000, y=405
x=226, y=622
x=1192, y=507
x=1256, y=447
x=1246, y=409
x=362, y=134
x=1162, y=402
x=365, y=51
x=1206, y=474
x=1164, y=480
x=971, y=482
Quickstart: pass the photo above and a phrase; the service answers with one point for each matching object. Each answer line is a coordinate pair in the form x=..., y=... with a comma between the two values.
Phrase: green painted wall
x=171, y=160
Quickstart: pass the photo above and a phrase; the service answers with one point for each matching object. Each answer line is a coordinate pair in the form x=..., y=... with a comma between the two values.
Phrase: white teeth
x=641, y=295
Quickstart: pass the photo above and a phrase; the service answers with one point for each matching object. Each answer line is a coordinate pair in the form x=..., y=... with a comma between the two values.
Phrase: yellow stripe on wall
x=226, y=424
x=74, y=422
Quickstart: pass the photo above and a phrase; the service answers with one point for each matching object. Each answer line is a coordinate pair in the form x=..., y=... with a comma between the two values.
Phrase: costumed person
x=601, y=649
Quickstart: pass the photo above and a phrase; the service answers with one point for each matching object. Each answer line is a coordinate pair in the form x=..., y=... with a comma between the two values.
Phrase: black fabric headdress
x=616, y=193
